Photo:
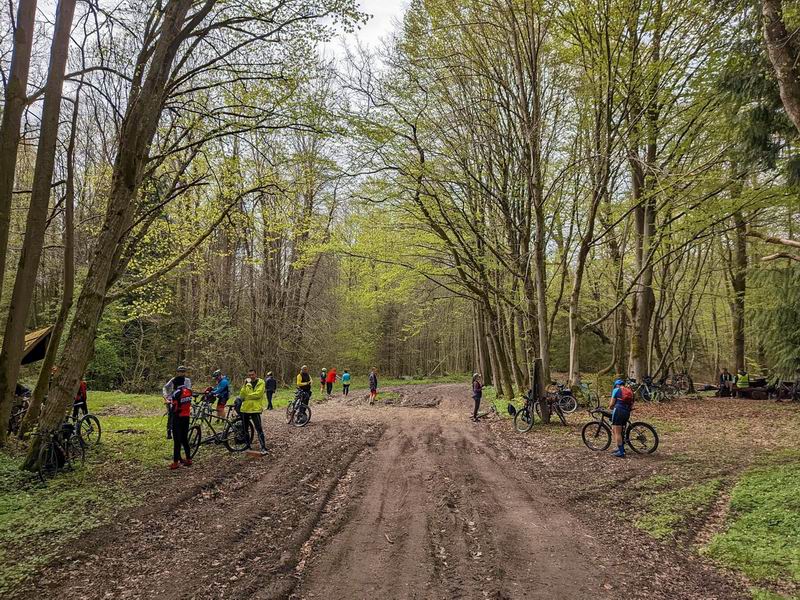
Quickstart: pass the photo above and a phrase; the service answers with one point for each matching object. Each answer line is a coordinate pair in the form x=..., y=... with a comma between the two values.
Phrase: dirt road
x=404, y=501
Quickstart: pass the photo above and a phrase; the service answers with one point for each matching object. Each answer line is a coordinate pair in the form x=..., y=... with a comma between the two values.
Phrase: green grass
x=663, y=513
x=762, y=594
x=763, y=538
x=655, y=482
x=37, y=522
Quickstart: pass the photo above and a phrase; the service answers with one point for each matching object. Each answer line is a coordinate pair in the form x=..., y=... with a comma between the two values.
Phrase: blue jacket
x=222, y=391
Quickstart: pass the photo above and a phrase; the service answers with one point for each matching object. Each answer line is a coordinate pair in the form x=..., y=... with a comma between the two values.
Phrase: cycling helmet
x=216, y=373
x=269, y=374
x=619, y=382
x=181, y=369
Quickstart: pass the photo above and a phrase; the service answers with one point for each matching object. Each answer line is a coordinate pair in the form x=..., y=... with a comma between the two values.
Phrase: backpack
x=626, y=395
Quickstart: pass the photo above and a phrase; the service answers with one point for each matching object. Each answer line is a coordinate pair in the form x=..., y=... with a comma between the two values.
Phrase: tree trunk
x=43, y=382
x=15, y=100
x=739, y=282
x=136, y=135
x=783, y=54
x=36, y=223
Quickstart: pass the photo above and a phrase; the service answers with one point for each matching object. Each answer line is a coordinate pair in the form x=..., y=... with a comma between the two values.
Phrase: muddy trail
x=407, y=500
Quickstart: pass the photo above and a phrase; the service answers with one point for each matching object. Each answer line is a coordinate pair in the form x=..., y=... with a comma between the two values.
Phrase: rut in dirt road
x=391, y=502
x=435, y=519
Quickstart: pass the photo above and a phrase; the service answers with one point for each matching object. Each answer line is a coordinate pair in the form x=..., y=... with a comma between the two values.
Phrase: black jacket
x=271, y=383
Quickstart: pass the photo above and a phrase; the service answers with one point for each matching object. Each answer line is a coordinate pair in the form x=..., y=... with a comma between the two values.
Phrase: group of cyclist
x=255, y=395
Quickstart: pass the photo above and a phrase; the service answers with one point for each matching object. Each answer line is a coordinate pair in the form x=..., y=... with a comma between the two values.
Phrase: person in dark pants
x=271, y=385
x=80, y=402
x=373, y=385
x=620, y=407
x=253, y=398
x=330, y=379
x=181, y=415
x=169, y=388
x=477, y=394
x=346, y=382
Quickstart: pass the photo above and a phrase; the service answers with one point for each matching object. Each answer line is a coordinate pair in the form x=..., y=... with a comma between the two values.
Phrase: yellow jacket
x=253, y=398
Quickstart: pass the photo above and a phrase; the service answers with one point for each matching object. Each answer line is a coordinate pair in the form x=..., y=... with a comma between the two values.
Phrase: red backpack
x=626, y=395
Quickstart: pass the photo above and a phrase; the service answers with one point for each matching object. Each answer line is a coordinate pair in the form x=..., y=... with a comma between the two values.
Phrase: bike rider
x=169, y=388
x=79, y=403
x=253, y=401
x=181, y=400
x=620, y=407
x=221, y=391
x=304, y=383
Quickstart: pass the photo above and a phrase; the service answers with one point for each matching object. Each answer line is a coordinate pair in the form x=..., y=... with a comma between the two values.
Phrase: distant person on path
x=253, y=399
x=222, y=392
x=620, y=407
x=742, y=384
x=181, y=400
x=304, y=383
x=477, y=394
x=725, y=383
x=271, y=384
x=80, y=401
x=346, y=382
x=330, y=380
x=173, y=384
x=373, y=385
x=323, y=378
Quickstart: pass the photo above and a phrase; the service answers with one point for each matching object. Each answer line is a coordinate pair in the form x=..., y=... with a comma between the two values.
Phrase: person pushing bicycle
x=620, y=407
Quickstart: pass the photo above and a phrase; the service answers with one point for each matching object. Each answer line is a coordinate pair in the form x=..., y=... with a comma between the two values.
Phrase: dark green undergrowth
x=763, y=536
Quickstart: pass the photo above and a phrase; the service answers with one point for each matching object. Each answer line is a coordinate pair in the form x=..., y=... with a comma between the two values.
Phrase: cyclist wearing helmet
x=620, y=407
x=304, y=383
x=222, y=392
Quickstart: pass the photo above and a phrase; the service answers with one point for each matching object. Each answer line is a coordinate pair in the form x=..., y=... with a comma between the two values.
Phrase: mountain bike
x=17, y=414
x=554, y=400
x=60, y=449
x=640, y=436
x=228, y=430
x=523, y=418
x=298, y=412
x=87, y=428
x=566, y=399
x=588, y=395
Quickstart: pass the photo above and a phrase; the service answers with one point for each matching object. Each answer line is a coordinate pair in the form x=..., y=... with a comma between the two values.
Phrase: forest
x=479, y=214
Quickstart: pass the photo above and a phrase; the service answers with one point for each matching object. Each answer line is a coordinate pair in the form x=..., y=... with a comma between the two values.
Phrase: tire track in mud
x=233, y=536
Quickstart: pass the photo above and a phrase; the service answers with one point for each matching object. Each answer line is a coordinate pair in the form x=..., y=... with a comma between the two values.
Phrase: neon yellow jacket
x=253, y=398
x=742, y=381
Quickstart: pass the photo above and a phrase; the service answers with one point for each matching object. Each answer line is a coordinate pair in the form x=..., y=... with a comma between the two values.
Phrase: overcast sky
x=384, y=15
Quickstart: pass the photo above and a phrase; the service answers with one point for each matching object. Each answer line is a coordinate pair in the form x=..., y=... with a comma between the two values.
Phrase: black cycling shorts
x=620, y=416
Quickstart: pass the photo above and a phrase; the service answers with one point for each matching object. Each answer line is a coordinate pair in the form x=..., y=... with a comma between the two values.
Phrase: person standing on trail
x=304, y=383
x=477, y=394
x=253, y=399
x=330, y=380
x=346, y=382
x=271, y=385
x=181, y=400
x=323, y=379
x=173, y=384
x=222, y=391
x=620, y=407
x=373, y=385
x=80, y=403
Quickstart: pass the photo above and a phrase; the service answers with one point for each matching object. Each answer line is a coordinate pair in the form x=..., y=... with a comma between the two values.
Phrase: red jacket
x=182, y=402
x=331, y=378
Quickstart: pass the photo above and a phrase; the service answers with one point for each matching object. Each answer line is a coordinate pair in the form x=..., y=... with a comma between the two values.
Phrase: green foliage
x=763, y=538
x=776, y=317
x=663, y=513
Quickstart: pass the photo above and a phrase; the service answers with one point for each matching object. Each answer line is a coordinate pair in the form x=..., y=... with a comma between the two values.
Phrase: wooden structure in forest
x=36, y=345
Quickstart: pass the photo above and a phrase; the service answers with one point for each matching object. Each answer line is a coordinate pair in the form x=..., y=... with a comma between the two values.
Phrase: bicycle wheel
x=523, y=420
x=76, y=454
x=596, y=435
x=290, y=408
x=89, y=431
x=195, y=435
x=302, y=416
x=48, y=460
x=237, y=438
x=642, y=438
x=568, y=403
